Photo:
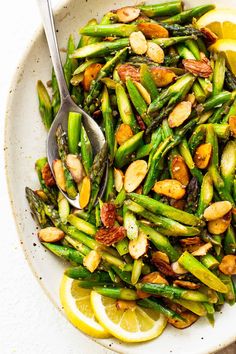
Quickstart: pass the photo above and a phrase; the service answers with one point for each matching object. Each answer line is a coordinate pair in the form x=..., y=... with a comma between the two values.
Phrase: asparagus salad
x=159, y=246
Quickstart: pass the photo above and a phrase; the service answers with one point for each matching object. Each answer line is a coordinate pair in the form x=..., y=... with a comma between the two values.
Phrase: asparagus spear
x=37, y=207
x=165, y=9
x=50, y=192
x=70, y=63
x=196, y=307
x=45, y=105
x=197, y=137
x=206, y=194
x=161, y=242
x=188, y=15
x=100, y=49
x=86, y=151
x=155, y=304
x=147, y=81
x=63, y=152
x=209, y=261
x=74, y=130
x=96, y=174
x=230, y=241
x=116, y=30
x=108, y=123
x=157, y=207
x=195, y=267
x=82, y=225
x=79, y=246
x=218, y=74
x=185, y=152
x=228, y=164
x=124, y=152
x=172, y=292
x=178, y=30
x=81, y=272
x=167, y=42
x=125, y=109
x=69, y=254
x=117, y=293
x=110, y=192
x=165, y=226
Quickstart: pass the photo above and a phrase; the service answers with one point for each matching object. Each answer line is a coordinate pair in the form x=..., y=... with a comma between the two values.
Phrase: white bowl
x=25, y=141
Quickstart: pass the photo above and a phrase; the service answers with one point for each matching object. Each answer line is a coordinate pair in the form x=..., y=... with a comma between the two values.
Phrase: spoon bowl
x=93, y=130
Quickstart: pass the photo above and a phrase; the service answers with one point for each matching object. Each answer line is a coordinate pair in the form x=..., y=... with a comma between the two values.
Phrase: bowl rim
x=16, y=76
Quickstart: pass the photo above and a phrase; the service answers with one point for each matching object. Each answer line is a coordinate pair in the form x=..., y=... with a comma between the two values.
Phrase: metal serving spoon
x=93, y=130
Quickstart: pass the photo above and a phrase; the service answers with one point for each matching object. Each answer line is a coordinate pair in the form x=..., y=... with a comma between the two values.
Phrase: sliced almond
x=139, y=246
x=91, y=260
x=191, y=98
x=153, y=30
x=134, y=175
x=42, y=195
x=128, y=70
x=170, y=188
x=178, y=204
x=145, y=94
x=202, y=155
x=124, y=133
x=228, y=265
x=59, y=174
x=162, y=266
x=219, y=226
x=118, y=179
x=125, y=305
x=85, y=192
x=178, y=269
x=138, y=43
x=155, y=52
x=163, y=256
x=189, y=319
x=50, y=234
x=202, y=250
x=75, y=167
x=217, y=210
x=186, y=284
x=162, y=76
x=179, y=170
x=127, y=14
x=90, y=74
x=200, y=68
x=232, y=125
x=180, y=113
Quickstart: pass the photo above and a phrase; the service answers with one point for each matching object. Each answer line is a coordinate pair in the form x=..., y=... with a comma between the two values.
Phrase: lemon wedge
x=134, y=324
x=228, y=47
x=220, y=21
x=78, y=309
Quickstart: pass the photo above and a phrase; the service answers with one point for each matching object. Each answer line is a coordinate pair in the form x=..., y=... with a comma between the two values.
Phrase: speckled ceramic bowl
x=25, y=141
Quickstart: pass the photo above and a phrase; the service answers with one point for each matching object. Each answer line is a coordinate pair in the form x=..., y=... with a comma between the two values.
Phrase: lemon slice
x=136, y=324
x=220, y=21
x=78, y=309
x=228, y=47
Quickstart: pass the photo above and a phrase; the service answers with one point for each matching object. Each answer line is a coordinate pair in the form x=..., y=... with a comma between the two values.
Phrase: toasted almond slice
x=145, y=94
x=134, y=175
x=127, y=70
x=170, y=188
x=91, y=260
x=186, y=284
x=118, y=179
x=59, y=174
x=219, y=226
x=162, y=76
x=228, y=265
x=178, y=269
x=75, y=167
x=161, y=255
x=139, y=246
x=42, y=195
x=200, y=68
x=202, y=155
x=179, y=170
x=155, y=52
x=191, y=98
x=189, y=319
x=180, y=113
x=153, y=30
x=124, y=133
x=90, y=74
x=232, y=125
x=163, y=267
x=202, y=250
x=50, y=234
x=127, y=14
x=85, y=192
x=217, y=210
x=138, y=43
x=178, y=204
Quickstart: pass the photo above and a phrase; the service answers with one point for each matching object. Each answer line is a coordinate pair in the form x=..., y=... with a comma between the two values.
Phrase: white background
x=28, y=321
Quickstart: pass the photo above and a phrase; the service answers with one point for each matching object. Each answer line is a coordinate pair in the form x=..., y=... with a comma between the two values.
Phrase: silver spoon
x=93, y=130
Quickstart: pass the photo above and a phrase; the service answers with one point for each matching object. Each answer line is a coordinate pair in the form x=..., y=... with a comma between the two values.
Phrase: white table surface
x=29, y=323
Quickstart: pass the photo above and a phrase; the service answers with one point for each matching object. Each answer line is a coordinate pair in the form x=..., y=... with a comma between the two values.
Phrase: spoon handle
x=49, y=28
